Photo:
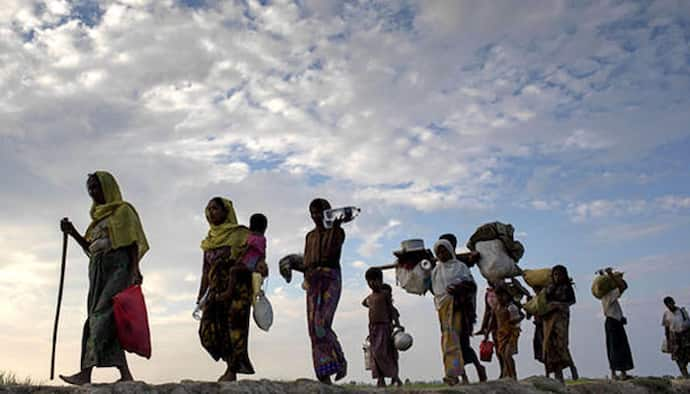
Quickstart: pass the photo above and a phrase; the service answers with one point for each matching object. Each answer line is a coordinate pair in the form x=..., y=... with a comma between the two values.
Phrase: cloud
x=425, y=114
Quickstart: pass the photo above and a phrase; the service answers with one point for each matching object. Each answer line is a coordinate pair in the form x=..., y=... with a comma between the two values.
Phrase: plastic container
x=344, y=214
x=199, y=310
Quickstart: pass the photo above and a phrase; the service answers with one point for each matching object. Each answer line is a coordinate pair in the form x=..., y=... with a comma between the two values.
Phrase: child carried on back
x=383, y=316
x=254, y=258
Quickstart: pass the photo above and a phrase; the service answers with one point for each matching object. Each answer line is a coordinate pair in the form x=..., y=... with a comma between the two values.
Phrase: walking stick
x=59, y=301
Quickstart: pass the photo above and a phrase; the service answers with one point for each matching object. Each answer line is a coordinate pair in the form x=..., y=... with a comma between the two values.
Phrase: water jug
x=344, y=214
x=199, y=310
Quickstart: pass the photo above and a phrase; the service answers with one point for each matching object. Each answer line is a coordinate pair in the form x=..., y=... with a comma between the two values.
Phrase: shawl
x=228, y=233
x=124, y=225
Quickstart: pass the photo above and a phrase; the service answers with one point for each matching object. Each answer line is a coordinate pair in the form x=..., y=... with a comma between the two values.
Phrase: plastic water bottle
x=344, y=214
x=200, y=306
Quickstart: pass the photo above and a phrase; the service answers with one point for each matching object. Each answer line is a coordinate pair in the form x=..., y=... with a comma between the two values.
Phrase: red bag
x=486, y=350
x=132, y=321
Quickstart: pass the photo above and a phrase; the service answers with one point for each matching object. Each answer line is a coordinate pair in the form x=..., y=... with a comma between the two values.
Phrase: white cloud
x=411, y=109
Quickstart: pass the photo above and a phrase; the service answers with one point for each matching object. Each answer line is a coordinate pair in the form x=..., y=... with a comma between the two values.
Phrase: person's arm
x=262, y=267
x=67, y=227
x=396, y=317
x=134, y=271
x=486, y=319
x=203, y=286
x=365, y=302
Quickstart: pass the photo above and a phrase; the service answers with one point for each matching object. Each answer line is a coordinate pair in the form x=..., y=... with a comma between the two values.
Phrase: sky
x=568, y=119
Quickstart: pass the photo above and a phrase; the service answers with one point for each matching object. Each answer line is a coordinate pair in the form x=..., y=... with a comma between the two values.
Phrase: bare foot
x=325, y=380
x=341, y=374
x=78, y=379
x=125, y=375
x=481, y=372
x=451, y=380
x=396, y=381
x=381, y=383
x=228, y=376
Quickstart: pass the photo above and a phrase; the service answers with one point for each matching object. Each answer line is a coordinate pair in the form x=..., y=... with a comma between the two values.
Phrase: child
x=254, y=258
x=383, y=316
x=507, y=319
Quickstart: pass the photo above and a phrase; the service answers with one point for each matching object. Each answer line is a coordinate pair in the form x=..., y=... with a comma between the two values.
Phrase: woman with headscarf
x=227, y=284
x=450, y=279
x=556, y=351
x=115, y=243
x=323, y=283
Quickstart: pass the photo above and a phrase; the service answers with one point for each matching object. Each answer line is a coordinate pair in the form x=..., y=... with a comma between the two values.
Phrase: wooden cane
x=59, y=301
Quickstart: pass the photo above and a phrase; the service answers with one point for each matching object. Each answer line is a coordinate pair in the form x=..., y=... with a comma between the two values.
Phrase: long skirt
x=224, y=328
x=556, y=346
x=384, y=355
x=679, y=345
x=450, y=320
x=617, y=346
x=324, y=286
x=108, y=275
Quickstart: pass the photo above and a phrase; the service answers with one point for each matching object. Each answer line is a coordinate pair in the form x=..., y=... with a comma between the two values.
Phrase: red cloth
x=486, y=351
x=132, y=321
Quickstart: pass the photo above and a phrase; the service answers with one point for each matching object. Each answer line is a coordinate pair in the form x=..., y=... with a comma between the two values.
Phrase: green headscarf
x=228, y=233
x=124, y=226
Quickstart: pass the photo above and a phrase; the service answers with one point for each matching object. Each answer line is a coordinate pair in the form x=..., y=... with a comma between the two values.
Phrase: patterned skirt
x=450, y=320
x=324, y=286
x=224, y=328
x=556, y=341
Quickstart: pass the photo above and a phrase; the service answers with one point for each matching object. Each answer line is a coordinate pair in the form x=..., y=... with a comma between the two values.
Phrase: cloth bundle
x=537, y=306
x=537, y=277
x=603, y=284
x=501, y=231
x=494, y=263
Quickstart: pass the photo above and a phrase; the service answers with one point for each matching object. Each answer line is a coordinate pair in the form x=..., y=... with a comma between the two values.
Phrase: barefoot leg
x=80, y=378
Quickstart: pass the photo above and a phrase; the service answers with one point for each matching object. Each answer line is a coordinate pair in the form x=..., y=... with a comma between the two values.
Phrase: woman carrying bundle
x=556, y=324
x=449, y=279
x=115, y=243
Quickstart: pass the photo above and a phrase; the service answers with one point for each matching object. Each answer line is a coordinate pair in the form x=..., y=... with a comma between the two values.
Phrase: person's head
x=374, y=277
x=670, y=303
x=559, y=275
x=95, y=190
x=216, y=211
x=444, y=251
x=450, y=238
x=503, y=295
x=258, y=223
x=316, y=208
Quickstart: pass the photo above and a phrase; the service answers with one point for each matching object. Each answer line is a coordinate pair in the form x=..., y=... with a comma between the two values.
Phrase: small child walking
x=507, y=319
x=383, y=316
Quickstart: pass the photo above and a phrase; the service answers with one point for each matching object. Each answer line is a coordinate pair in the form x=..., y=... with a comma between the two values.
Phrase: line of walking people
x=115, y=244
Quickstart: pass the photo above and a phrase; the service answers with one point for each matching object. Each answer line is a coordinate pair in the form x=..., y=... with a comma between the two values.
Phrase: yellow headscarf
x=124, y=226
x=228, y=233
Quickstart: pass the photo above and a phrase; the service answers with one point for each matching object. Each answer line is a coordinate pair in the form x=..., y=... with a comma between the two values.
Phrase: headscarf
x=228, y=233
x=124, y=226
x=447, y=273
